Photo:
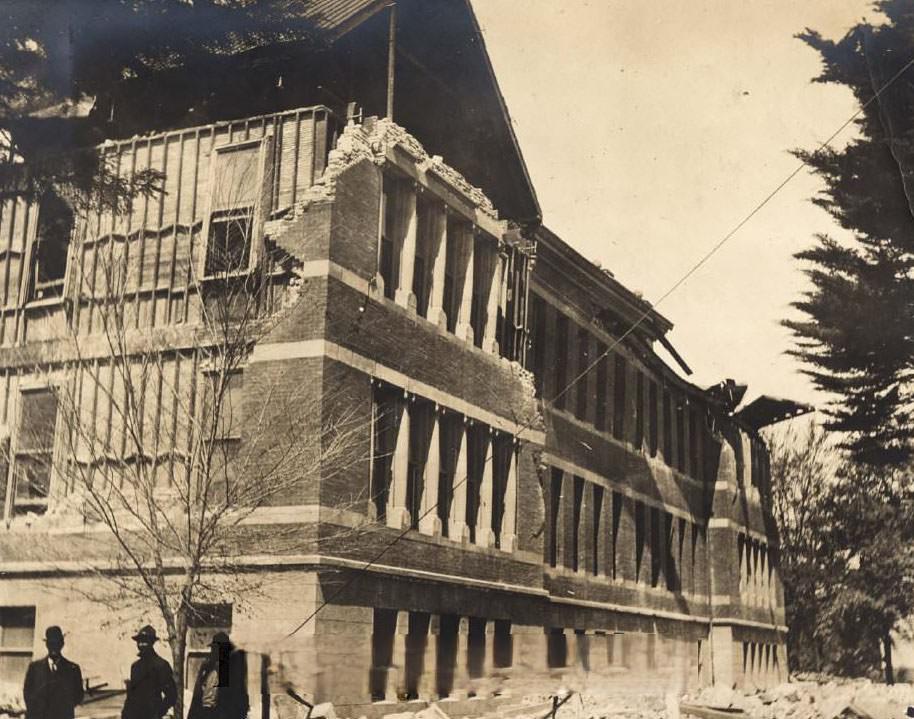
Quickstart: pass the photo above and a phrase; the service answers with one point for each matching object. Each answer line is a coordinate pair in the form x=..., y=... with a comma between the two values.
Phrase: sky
x=651, y=129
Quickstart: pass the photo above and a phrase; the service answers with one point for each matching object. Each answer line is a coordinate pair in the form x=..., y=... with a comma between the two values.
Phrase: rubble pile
x=827, y=699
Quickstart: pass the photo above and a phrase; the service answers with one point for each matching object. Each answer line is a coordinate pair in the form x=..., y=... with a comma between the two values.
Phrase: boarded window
x=49, y=255
x=237, y=180
x=34, y=451
x=17, y=638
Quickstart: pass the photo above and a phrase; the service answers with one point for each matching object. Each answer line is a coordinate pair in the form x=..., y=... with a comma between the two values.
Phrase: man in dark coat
x=53, y=685
x=220, y=691
x=151, y=690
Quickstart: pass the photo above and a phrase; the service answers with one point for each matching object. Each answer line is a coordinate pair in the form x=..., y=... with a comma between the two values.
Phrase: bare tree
x=156, y=442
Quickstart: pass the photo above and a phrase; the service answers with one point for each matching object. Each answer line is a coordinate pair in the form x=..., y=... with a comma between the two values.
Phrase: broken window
x=596, y=526
x=639, y=537
x=561, y=361
x=581, y=375
x=387, y=412
x=456, y=264
x=694, y=468
x=680, y=435
x=652, y=417
x=619, y=378
x=512, y=337
x=238, y=187
x=536, y=354
x=601, y=394
x=502, y=460
x=657, y=546
x=485, y=266
x=17, y=638
x=203, y=622
x=52, y=240
x=450, y=435
x=421, y=424
x=555, y=505
x=34, y=451
x=617, y=521
x=427, y=218
x=477, y=439
x=577, y=511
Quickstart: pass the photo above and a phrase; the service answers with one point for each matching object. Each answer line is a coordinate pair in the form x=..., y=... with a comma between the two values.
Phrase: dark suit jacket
x=151, y=691
x=52, y=695
x=231, y=692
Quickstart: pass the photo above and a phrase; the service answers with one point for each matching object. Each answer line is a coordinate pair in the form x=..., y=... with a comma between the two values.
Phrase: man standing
x=53, y=685
x=220, y=691
x=151, y=690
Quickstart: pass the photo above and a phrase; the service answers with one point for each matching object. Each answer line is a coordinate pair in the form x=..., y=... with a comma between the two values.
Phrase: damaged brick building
x=551, y=495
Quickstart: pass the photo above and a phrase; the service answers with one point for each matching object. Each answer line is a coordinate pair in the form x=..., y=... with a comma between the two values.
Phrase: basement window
x=17, y=638
x=204, y=621
x=49, y=254
x=34, y=451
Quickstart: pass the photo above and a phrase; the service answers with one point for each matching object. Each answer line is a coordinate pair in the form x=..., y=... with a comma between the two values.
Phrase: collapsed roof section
x=444, y=91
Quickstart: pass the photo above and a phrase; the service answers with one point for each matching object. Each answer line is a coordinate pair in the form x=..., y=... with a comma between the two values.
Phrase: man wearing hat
x=220, y=691
x=53, y=685
x=151, y=690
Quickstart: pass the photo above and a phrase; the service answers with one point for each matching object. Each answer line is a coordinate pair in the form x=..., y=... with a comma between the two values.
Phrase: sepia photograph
x=456, y=359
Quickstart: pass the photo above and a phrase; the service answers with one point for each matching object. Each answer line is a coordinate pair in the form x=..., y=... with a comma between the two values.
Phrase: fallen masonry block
x=432, y=711
x=704, y=712
x=323, y=711
x=851, y=711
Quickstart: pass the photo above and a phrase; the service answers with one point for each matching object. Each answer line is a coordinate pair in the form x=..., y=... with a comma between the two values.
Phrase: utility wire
x=643, y=316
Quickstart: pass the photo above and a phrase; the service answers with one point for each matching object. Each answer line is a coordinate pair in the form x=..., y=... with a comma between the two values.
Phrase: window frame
x=261, y=206
x=38, y=505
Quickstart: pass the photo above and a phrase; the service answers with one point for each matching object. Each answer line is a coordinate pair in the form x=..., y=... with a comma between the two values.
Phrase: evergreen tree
x=858, y=337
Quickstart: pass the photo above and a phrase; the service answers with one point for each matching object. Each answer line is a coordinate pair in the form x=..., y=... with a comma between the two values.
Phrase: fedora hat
x=147, y=633
x=53, y=633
